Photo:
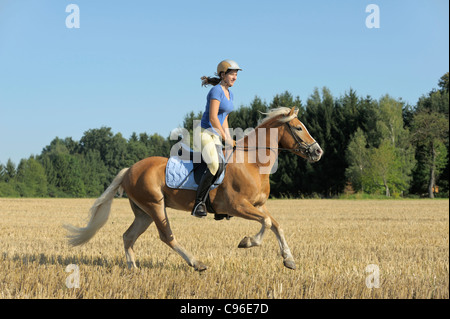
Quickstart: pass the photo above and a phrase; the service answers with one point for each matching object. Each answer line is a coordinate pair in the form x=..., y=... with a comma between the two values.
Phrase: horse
x=243, y=193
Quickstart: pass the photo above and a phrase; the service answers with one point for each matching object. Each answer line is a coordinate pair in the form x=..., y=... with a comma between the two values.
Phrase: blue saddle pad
x=180, y=174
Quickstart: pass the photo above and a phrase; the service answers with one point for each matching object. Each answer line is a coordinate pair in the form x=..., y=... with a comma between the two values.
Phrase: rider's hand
x=230, y=143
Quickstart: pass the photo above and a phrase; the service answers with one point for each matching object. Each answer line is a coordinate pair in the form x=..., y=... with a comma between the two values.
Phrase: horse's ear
x=292, y=111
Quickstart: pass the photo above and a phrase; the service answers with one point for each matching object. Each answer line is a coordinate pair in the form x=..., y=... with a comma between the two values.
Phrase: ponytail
x=206, y=80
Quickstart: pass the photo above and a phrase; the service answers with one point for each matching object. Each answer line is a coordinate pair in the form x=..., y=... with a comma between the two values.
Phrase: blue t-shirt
x=225, y=107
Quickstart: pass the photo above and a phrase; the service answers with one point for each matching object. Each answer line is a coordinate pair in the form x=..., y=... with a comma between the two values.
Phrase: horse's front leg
x=288, y=259
x=243, y=208
x=265, y=221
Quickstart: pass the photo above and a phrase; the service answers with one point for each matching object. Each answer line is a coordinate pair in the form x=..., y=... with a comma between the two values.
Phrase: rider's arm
x=213, y=118
x=225, y=128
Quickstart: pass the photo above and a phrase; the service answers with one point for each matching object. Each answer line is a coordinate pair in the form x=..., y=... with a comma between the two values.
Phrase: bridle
x=301, y=146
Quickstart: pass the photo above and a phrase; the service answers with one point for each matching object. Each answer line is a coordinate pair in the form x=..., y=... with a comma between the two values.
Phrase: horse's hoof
x=246, y=242
x=289, y=264
x=200, y=267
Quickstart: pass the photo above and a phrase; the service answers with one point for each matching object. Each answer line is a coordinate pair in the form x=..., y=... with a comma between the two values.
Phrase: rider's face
x=229, y=78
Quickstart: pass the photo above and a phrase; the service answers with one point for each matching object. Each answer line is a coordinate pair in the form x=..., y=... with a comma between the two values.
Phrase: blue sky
x=135, y=66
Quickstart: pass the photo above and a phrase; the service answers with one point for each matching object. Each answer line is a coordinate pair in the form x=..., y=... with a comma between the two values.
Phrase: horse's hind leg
x=159, y=214
x=141, y=222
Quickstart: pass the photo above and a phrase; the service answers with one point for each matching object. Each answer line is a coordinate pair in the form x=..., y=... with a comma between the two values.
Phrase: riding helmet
x=226, y=65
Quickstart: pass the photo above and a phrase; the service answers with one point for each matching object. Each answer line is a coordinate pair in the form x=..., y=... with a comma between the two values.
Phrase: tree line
x=371, y=146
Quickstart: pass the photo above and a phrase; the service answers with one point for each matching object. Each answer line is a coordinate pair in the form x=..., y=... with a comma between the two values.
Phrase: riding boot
x=199, y=209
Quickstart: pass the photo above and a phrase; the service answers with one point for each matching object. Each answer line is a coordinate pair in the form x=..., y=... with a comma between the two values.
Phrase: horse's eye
x=299, y=128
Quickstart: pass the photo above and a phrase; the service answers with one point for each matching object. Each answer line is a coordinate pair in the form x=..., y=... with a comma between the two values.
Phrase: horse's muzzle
x=315, y=153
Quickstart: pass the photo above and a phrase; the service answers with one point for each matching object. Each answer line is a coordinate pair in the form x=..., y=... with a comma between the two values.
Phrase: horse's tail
x=99, y=213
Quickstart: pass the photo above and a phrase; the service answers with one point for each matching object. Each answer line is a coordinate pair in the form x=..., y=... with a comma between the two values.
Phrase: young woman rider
x=214, y=128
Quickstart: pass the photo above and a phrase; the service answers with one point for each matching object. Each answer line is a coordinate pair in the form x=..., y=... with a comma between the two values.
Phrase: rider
x=214, y=128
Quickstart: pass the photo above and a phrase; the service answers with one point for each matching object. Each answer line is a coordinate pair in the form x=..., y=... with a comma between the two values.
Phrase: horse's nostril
x=318, y=151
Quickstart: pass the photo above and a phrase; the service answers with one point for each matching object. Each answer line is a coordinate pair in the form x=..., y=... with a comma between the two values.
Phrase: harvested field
x=333, y=243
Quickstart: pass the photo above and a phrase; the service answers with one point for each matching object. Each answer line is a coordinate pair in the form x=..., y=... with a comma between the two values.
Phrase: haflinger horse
x=243, y=192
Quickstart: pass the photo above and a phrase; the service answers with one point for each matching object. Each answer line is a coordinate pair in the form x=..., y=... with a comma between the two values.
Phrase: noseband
x=302, y=146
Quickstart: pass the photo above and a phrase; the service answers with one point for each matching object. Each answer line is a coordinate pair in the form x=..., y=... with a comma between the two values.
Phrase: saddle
x=186, y=170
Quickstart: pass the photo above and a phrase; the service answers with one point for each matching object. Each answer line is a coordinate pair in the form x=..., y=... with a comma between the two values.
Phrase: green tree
x=2, y=173
x=136, y=151
x=382, y=168
x=369, y=114
x=350, y=114
x=97, y=139
x=358, y=160
x=326, y=120
x=285, y=99
x=65, y=171
x=61, y=146
x=434, y=103
x=9, y=171
x=94, y=173
x=74, y=185
x=155, y=145
x=444, y=83
x=390, y=120
x=7, y=180
x=390, y=127
x=31, y=179
x=115, y=155
x=318, y=120
x=430, y=129
x=248, y=117
x=158, y=146
x=111, y=148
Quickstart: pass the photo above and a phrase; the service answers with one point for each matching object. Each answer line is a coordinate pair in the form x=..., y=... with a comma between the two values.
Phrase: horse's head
x=295, y=137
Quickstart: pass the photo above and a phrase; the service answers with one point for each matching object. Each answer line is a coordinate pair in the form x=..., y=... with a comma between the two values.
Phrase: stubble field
x=332, y=241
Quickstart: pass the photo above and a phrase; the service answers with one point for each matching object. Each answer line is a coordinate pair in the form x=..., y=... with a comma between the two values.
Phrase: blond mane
x=281, y=113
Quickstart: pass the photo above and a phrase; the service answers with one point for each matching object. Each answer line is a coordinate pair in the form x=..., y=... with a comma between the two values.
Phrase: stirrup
x=200, y=214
